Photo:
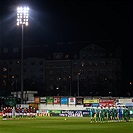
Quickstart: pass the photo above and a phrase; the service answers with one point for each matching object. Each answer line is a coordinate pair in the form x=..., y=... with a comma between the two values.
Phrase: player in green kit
x=127, y=114
x=112, y=113
x=124, y=113
x=92, y=113
x=108, y=113
x=101, y=115
x=97, y=111
x=115, y=114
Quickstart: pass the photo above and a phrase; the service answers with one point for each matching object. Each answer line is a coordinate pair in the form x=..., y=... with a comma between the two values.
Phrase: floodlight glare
x=22, y=13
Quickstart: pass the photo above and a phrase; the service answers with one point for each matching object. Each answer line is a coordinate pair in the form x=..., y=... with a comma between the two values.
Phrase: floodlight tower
x=22, y=19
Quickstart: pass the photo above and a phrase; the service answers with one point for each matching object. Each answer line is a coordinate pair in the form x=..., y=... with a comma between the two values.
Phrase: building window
x=90, y=71
x=18, y=68
x=17, y=76
x=95, y=63
x=51, y=72
x=24, y=69
x=5, y=50
x=10, y=69
x=58, y=72
x=10, y=62
x=90, y=63
x=15, y=50
x=82, y=64
x=41, y=69
x=41, y=62
x=17, y=62
x=32, y=63
x=41, y=77
x=110, y=62
x=75, y=63
x=103, y=63
x=51, y=79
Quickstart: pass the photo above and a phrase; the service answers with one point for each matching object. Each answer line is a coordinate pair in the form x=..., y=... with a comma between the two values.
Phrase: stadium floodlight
x=22, y=15
x=22, y=19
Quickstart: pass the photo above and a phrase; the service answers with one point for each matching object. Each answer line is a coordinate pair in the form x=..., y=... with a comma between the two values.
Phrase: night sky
x=63, y=21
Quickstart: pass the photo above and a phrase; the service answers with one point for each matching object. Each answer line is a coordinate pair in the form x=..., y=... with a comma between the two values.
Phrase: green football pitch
x=60, y=125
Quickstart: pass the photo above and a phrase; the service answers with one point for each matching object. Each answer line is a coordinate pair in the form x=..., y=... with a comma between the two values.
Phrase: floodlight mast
x=22, y=19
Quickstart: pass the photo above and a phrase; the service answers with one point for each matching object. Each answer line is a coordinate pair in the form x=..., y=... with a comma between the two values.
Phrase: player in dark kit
x=31, y=112
x=4, y=114
x=34, y=112
x=20, y=112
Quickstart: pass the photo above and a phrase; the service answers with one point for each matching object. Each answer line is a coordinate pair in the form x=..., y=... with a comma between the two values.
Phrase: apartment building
x=95, y=72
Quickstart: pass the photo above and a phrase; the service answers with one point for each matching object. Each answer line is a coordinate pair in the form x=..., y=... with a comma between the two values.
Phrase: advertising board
x=107, y=102
x=42, y=99
x=79, y=101
x=36, y=99
x=72, y=100
x=49, y=100
x=91, y=101
x=64, y=100
x=124, y=100
x=56, y=100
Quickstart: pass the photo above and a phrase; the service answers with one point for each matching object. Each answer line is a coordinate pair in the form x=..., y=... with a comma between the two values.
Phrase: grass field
x=60, y=125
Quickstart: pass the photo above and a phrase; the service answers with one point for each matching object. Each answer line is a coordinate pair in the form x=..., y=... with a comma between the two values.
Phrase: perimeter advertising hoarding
x=126, y=100
x=79, y=101
x=120, y=104
x=42, y=99
x=75, y=113
x=49, y=100
x=72, y=100
x=56, y=100
x=129, y=105
x=54, y=111
x=107, y=102
x=124, y=104
x=91, y=104
x=91, y=101
x=37, y=100
x=64, y=100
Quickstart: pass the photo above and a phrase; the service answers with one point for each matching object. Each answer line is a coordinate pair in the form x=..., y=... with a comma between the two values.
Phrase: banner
x=79, y=101
x=72, y=100
x=107, y=102
x=54, y=111
x=49, y=100
x=72, y=113
x=56, y=100
x=86, y=113
x=37, y=100
x=91, y=104
x=91, y=101
x=75, y=113
x=120, y=104
x=42, y=99
x=64, y=100
x=125, y=100
x=129, y=105
x=87, y=105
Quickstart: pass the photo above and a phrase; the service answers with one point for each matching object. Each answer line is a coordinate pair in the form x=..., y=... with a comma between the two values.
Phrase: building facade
x=95, y=72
